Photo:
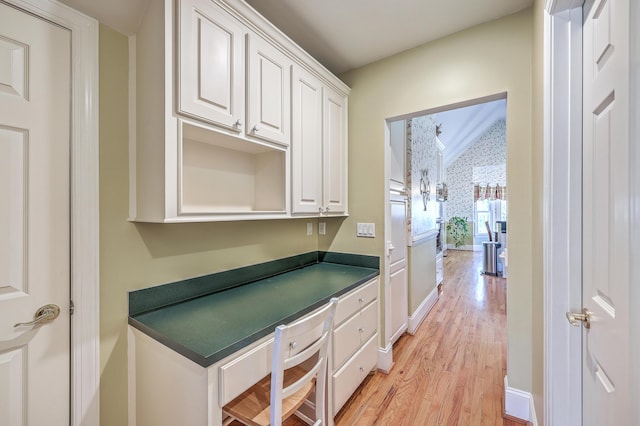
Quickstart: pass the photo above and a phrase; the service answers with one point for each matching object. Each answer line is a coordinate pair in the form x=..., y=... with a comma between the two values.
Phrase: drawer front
x=246, y=370
x=348, y=378
x=439, y=270
x=351, y=334
x=357, y=299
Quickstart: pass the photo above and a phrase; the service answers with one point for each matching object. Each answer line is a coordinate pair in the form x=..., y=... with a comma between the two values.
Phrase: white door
x=34, y=218
x=606, y=363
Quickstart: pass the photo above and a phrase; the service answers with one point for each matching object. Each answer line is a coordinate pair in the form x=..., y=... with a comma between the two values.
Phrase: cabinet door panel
x=269, y=97
x=335, y=153
x=306, y=142
x=211, y=65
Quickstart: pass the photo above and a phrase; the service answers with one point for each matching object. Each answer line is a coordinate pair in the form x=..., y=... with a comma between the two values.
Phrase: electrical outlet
x=309, y=228
x=366, y=230
x=322, y=228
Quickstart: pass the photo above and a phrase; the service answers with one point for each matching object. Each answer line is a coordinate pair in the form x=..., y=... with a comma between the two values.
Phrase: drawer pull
x=361, y=300
x=293, y=345
x=361, y=330
x=361, y=369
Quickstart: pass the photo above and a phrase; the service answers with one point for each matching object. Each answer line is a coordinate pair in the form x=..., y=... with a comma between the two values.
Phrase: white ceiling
x=347, y=34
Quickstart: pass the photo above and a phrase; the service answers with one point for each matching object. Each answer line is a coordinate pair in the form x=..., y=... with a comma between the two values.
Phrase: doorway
x=473, y=155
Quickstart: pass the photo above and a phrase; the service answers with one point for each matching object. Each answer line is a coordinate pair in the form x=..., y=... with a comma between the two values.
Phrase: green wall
x=486, y=60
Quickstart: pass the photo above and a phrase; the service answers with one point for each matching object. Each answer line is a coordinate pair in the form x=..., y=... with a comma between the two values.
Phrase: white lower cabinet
x=354, y=343
x=347, y=379
x=167, y=389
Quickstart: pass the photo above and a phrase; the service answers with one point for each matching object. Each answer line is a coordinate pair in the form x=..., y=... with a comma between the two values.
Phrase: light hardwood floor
x=451, y=372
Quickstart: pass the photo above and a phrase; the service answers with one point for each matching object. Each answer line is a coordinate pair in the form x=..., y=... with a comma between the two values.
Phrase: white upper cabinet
x=213, y=107
x=269, y=90
x=306, y=143
x=211, y=64
x=334, y=152
x=318, y=147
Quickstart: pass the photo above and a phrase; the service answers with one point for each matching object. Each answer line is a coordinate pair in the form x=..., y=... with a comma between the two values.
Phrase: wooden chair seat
x=252, y=407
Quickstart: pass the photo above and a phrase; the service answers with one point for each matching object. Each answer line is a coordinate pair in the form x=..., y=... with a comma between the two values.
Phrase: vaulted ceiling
x=462, y=127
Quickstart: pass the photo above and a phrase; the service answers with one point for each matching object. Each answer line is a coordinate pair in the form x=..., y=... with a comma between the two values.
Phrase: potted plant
x=458, y=228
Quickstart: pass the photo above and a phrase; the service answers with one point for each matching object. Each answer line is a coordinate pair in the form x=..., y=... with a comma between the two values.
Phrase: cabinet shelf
x=222, y=174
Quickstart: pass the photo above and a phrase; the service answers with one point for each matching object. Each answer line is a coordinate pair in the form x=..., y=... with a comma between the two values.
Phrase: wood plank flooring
x=451, y=372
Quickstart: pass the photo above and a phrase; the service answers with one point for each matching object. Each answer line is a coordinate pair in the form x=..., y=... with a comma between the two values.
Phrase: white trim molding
x=85, y=250
x=385, y=358
x=519, y=404
x=423, y=310
x=562, y=212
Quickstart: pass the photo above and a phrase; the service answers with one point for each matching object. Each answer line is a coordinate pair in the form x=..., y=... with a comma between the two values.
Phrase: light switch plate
x=366, y=230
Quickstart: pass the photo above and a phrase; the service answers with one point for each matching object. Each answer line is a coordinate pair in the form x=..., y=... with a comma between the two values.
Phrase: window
x=488, y=211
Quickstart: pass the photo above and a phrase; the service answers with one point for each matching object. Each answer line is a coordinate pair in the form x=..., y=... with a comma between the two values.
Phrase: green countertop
x=208, y=328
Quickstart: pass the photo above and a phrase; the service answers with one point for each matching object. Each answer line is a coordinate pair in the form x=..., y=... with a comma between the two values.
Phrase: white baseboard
x=385, y=358
x=519, y=404
x=467, y=247
x=420, y=314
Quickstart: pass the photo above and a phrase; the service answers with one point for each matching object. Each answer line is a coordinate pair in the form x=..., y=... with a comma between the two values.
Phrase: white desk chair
x=299, y=362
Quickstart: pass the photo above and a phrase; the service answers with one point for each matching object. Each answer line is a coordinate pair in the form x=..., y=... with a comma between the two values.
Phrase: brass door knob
x=576, y=318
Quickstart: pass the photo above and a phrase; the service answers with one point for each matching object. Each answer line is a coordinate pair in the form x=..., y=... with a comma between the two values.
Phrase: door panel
x=398, y=267
x=211, y=65
x=335, y=151
x=306, y=143
x=34, y=218
x=269, y=79
x=606, y=214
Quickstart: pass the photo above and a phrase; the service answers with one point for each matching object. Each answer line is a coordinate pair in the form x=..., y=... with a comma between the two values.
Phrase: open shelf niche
x=220, y=174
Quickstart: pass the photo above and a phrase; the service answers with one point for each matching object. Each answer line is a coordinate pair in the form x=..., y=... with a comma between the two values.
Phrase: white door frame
x=562, y=211
x=85, y=290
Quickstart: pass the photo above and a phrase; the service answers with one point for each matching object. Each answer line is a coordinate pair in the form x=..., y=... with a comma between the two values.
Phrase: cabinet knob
x=293, y=345
x=327, y=209
x=361, y=300
x=361, y=330
x=255, y=129
x=320, y=209
x=362, y=369
x=238, y=123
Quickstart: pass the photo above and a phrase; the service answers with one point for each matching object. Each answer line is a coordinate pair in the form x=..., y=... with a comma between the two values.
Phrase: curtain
x=488, y=192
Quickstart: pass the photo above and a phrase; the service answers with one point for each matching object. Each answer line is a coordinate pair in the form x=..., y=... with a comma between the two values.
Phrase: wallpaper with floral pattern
x=422, y=164
x=484, y=163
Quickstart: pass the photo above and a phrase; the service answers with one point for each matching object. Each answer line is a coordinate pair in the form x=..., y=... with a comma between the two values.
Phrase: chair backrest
x=296, y=343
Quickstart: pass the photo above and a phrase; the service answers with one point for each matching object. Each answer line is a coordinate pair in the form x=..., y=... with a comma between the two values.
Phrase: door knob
x=46, y=313
x=575, y=318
